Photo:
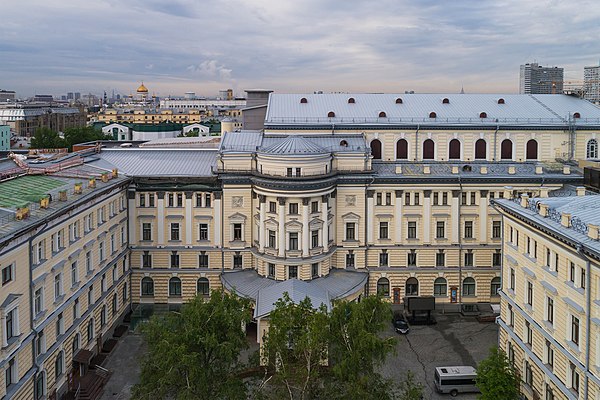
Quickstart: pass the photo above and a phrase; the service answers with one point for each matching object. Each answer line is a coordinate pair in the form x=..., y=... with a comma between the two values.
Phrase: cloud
x=210, y=69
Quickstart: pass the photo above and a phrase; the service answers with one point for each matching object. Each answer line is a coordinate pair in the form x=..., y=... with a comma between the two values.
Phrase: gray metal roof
x=244, y=141
x=297, y=290
x=157, y=162
x=465, y=169
x=293, y=145
x=245, y=283
x=416, y=108
x=342, y=282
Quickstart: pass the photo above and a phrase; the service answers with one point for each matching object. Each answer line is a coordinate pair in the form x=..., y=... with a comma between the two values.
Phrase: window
x=531, y=152
x=388, y=199
x=88, y=262
x=440, y=287
x=383, y=230
x=147, y=286
x=101, y=250
x=124, y=292
x=428, y=150
x=293, y=208
x=314, y=207
x=440, y=259
x=511, y=316
x=238, y=261
x=444, y=198
x=142, y=199
x=468, y=287
x=12, y=324
x=463, y=198
x=383, y=259
x=314, y=270
x=60, y=325
x=480, y=149
x=10, y=374
x=174, y=258
x=572, y=272
x=289, y=172
x=39, y=386
x=237, y=231
x=150, y=199
x=174, y=287
x=170, y=200
x=495, y=286
x=298, y=171
x=412, y=229
x=115, y=305
x=454, y=150
x=383, y=287
x=271, y=270
x=379, y=199
x=468, y=229
x=412, y=258
x=112, y=243
x=203, y=287
x=350, y=231
x=7, y=274
x=57, y=286
x=179, y=199
x=76, y=309
x=592, y=149
x=293, y=240
x=440, y=231
x=90, y=330
x=272, y=240
x=530, y=293
x=376, y=149
x=550, y=310
x=203, y=232
x=293, y=272
x=175, y=231
x=412, y=287
x=436, y=198
x=582, y=278
x=528, y=334
x=496, y=229
x=103, y=316
x=91, y=295
x=574, y=377
x=575, y=330
x=146, y=231
x=496, y=258
x=512, y=279
x=549, y=354
x=75, y=344
x=39, y=346
x=469, y=258
x=146, y=260
x=511, y=354
x=203, y=260
x=528, y=374
x=314, y=238
x=38, y=301
x=350, y=260
x=506, y=150
x=407, y=199
x=416, y=199
x=115, y=274
x=272, y=207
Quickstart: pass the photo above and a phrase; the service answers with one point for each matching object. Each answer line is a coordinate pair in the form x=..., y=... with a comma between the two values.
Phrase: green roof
x=26, y=189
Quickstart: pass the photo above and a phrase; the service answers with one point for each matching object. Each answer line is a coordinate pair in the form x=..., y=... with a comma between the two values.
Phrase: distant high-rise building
x=70, y=96
x=7, y=95
x=535, y=79
x=77, y=95
x=591, y=84
x=48, y=98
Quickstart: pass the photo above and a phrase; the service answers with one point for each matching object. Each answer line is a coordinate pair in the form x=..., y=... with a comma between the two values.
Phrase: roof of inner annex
x=378, y=109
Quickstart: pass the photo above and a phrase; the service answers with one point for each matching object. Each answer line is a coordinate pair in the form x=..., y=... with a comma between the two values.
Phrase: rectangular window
x=436, y=198
x=11, y=324
x=7, y=274
x=57, y=286
x=383, y=259
x=293, y=208
x=440, y=259
x=440, y=231
x=142, y=199
x=468, y=229
x=575, y=330
x=170, y=200
x=175, y=231
x=572, y=272
x=528, y=374
x=112, y=243
x=272, y=207
x=383, y=230
x=314, y=270
x=550, y=310
x=497, y=259
x=91, y=295
x=271, y=270
x=101, y=250
x=207, y=200
x=350, y=260
x=293, y=245
x=549, y=354
x=496, y=229
x=512, y=279
x=272, y=240
x=473, y=203
x=179, y=199
x=150, y=199
x=350, y=231
x=203, y=260
x=60, y=325
x=528, y=333
x=293, y=271
x=582, y=279
x=198, y=199
x=314, y=238
x=412, y=229
x=416, y=198
x=574, y=377
x=290, y=172
x=511, y=316
x=103, y=283
x=174, y=258
x=38, y=301
x=146, y=231
x=74, y=274
x=238, y=261
x=445, y=198
x=10, y=373
x=388, y=199
x=146, y=260
x=412, y=258
x=314, y=207
x=203, y=232
x=556, y=262
x=379, y=198
x=548, y=257
x=530, y=293
x=407, y=199
x=469, y=258
x=237, y=231
x=463, y=199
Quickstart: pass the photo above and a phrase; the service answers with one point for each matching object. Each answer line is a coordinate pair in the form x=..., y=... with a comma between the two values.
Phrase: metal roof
x=465, y=169
x=297, y=290
x=460, y=109
x=157, y=162
x=244, y=141
x=292, y=145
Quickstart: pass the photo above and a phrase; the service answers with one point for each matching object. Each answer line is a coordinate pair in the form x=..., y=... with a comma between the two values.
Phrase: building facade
x=535, y=79
x=4, y=137
x=550, y=295
x=25, y=118
x=591, y=84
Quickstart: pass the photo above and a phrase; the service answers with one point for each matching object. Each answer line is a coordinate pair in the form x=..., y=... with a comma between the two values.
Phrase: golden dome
x=142, y=89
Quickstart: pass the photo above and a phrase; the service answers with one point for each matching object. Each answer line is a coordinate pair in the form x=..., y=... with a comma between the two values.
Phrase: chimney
x=105, y=177
x=565, y=220
x=92, y=183
x=62, y=195
x=115, y=173
x=580, y=191
x=544, y=208
x=524, y=201
x=593, y=232
x=544, y=192
x=44, y=202
x=22, y=213
x=78, y=188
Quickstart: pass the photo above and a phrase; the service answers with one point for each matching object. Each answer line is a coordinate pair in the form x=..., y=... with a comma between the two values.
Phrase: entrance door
x=396, y=295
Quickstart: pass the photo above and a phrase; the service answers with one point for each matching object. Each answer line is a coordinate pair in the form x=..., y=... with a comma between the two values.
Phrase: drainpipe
x=501, y=259
x=460, y=253
x=588, y=301
x=495, y=142
x=416, y=143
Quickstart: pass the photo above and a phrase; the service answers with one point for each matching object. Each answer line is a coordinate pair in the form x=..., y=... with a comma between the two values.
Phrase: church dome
x=142, y=89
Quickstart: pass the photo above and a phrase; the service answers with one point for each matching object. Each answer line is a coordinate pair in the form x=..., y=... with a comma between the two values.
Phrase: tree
x=45, y=138
x=496, y=377
x=83, y=134
x=194, y=354
x=409, y=389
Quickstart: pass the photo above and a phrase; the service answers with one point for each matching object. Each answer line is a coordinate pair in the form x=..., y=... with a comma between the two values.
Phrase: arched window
x=592, y=149
x=376, y=149
x=398, y=100
x=147, y=286
x=412, y=287
x=402, y=149
x=446, y=101
x=382, y=114
x=440, y=287
x=500, y=101
x=330, y=114
x=480, y=149
x=468, y=287
x=59, y=365
x=351, y=100
x=40, y=385
x=203, y=287
x=174, y=286
x=428, y=150
x=495, y=286
x=576, y=115
x=454, y=150
x=303, y=100
x=383, y=287
x=482, y=115
x=432, y=115
x=532, y=150
x=506, y=150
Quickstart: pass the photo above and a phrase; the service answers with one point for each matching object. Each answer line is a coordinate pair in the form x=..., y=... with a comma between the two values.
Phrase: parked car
x=400, y=324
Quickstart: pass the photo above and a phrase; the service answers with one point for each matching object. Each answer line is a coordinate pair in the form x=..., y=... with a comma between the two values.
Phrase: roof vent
x=303, y=100
x=398, y=100
x=500, y=101
x=351, y=100
x=467, y=168
x=432, y=115
x=330, y=114
x=382, y=114
x=344, y=143
x=446, y=101
x=482, y=115
x=576, y=115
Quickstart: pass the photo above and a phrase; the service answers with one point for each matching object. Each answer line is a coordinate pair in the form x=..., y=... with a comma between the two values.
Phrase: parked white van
x=455, y=380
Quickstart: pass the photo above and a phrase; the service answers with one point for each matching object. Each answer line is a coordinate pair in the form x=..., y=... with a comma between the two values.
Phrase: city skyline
x=383, y=46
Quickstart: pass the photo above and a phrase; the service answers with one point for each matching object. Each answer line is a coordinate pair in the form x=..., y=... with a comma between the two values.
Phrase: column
x=398, y=217
x=427, y=216
x=305, y=228
x=133, y=223
x=189, y=221
x=4, y=339
x=324, y=217
x=454, y=216
x=370, y=216
x=261, y=227
x=333, y=197
x=160, y=218
x=483, y=216
x=281, y=234
x=217, y=226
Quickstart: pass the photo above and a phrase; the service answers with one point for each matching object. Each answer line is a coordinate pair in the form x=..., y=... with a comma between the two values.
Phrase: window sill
x=549, y=326
x=572, y=286
x=528, y=308
x=573, y=347
x=59, y=299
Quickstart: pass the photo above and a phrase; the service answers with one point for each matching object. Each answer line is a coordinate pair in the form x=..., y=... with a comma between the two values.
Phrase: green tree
x=409, y=389
x=195, y=354
x=45, y=138
x=496, y=377
x=83, y=134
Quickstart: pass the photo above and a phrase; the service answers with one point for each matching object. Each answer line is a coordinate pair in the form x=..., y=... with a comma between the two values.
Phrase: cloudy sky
x=174, y=46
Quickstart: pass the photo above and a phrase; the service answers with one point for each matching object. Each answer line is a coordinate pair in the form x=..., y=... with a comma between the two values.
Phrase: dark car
x=400, y=324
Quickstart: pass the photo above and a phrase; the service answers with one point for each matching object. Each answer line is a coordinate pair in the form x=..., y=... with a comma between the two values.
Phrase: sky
x=175, y=46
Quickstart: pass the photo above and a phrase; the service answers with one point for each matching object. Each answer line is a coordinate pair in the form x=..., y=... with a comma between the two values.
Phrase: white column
x=427, y=216
x=281, y=235
x=189, y=221
x=483, y=216
x=4, y=339
x=370, y=216
x=398, y=217
x=160, y=218
x=133, y=223
x=305, y=228
x=261, y=227
x=454, y=216
x=324, y=215
x=217, y=226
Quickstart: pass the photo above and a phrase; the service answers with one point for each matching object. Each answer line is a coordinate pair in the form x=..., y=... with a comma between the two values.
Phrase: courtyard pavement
x=124, y=362
x=454, y=340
